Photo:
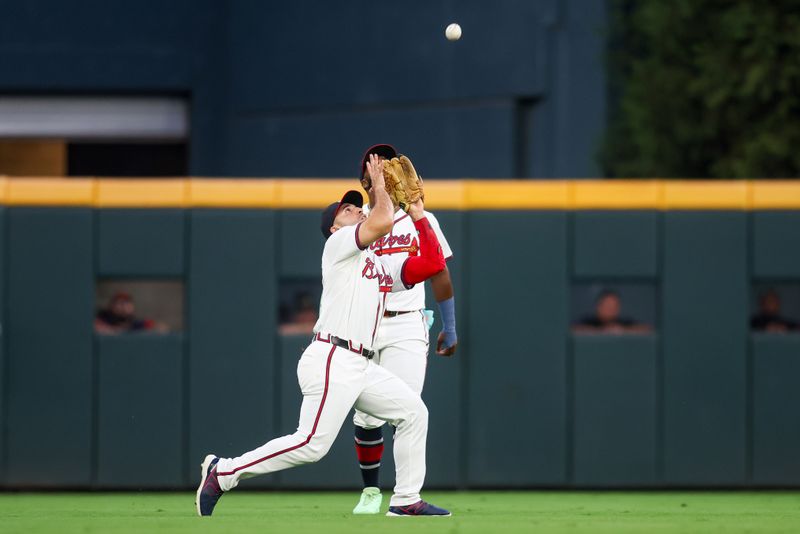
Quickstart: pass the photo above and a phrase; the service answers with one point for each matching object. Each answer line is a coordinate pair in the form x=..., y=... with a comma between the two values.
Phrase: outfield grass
x=328, y=513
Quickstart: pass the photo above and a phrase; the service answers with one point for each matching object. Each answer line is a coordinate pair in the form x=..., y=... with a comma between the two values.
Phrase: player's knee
x=419, y=413
x=423, y=414
x=316, y=449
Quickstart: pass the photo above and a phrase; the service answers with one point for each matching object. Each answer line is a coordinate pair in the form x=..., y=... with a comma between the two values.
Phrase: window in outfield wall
x=775, y=308
x=613, y=308
x=299, y=304
x=130, y=306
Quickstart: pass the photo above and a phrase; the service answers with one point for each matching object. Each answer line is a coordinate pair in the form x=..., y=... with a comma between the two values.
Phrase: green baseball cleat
x=370, y=502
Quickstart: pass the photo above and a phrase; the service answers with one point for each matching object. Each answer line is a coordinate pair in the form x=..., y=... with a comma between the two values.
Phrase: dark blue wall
x=521, y=94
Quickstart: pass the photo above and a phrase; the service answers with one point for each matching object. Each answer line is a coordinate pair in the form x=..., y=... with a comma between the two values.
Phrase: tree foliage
x=704, y=89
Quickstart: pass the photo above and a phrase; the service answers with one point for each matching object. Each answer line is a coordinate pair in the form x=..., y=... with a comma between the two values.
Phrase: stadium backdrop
x=701, y=402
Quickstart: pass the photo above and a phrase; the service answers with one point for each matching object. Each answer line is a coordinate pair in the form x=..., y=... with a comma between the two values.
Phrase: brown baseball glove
x=402, y=183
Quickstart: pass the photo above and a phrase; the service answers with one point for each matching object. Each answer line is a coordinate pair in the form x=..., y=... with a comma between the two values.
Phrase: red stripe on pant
x=313, y=430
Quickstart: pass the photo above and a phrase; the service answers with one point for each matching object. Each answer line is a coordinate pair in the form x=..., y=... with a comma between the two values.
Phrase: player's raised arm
x=381, y=214
x=430, y=261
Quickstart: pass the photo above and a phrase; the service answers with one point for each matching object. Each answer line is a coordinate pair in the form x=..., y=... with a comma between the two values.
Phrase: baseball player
x=401, y=344
x=336, y=371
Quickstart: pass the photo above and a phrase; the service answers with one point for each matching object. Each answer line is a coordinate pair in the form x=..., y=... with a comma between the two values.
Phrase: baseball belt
x=396, y=313
x=345, y=344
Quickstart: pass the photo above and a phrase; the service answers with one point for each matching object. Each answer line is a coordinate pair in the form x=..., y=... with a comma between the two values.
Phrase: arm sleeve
x=430, y=261
x=342, y=245
x=446, y=251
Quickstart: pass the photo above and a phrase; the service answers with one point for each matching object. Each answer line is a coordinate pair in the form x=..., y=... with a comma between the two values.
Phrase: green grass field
x=484, y=512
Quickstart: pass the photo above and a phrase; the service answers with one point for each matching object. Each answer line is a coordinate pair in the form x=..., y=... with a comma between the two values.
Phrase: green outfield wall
x=698, y=402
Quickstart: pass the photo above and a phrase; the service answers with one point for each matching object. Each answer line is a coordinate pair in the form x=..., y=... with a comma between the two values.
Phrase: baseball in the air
x=453, y=32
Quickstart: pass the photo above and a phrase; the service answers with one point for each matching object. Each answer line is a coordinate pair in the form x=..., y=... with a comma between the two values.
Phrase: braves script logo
x=370, y=272
x=392, y=244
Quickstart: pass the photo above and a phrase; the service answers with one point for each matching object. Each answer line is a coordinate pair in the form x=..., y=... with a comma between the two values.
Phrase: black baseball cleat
x=209, y=492
x=418, y=509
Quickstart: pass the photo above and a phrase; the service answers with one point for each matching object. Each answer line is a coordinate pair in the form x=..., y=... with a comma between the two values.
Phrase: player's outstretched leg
x=209, y=492
x=369, y=449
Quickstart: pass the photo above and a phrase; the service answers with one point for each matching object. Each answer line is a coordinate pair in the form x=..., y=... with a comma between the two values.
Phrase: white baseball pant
x=333, y=380
x=401, y=347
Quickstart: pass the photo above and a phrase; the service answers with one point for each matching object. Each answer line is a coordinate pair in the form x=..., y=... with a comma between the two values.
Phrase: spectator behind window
x=607, y=319
x=304, y=317
x=768, y=318
x=120, y=317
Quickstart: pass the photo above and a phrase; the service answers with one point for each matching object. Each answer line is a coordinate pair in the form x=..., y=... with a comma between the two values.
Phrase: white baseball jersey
x=400, y=244
x=350, y=307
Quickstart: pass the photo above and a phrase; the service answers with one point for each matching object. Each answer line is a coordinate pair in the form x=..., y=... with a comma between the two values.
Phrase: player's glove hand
x=402, y=182
x=447, y=342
